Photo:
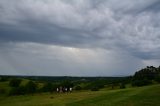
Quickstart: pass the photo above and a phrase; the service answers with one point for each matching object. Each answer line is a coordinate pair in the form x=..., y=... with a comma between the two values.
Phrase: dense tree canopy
x=146, y=76
x=149, y=73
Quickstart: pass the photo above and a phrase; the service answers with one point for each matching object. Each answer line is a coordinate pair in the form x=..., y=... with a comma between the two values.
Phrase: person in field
x=57, y=90
x=66, y=89
x=70, y=89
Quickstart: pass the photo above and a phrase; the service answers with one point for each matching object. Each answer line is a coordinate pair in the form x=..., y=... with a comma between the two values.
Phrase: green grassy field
x=141, y=96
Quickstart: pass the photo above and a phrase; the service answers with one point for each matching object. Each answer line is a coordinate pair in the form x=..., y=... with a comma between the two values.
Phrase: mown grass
x=141, y=96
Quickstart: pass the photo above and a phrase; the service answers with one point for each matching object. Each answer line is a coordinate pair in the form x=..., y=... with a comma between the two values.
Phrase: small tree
x=48, y=87
x=31, y=87
x=15, y=82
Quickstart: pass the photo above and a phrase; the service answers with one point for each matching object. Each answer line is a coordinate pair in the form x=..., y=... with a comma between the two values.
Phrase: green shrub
x=17, y=90
x=15, y=82
x=78, y=88
x=48, y=87
x=94, y=89
x=142, y=82
x=3, y=78
x=31, y=87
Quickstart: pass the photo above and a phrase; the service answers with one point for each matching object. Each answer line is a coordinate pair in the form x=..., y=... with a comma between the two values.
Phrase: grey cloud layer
x=122, y=26
x=82, y=22
x=38, y=59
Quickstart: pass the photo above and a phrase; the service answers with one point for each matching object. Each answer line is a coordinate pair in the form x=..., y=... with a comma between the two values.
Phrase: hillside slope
x=141, y=96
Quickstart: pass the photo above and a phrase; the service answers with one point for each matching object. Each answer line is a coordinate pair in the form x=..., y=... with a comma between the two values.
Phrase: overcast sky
x=78, y=37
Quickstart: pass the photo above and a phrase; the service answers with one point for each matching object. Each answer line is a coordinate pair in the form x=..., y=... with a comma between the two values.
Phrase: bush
x=48, y=87
x=78, y=88
x=17, y=90
x=94, y=89
x=141, y=82
x=3, y=78
x=13, y=91
x=96, y=84
x=15, y=82
x=31, y=87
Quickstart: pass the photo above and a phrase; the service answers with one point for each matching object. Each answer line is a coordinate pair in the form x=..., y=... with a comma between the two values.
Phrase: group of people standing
x=64, y=89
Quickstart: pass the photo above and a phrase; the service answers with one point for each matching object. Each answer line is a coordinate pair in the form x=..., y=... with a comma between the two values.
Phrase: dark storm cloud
x=127, y=26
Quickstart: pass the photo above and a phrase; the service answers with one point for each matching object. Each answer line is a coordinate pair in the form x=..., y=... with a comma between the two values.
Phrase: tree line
x=145, y=76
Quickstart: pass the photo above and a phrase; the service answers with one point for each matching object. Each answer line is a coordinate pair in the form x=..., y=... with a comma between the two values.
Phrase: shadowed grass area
x=142, y=96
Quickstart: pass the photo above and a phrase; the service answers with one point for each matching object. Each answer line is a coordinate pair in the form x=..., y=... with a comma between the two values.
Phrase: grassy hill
x=138, y=96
